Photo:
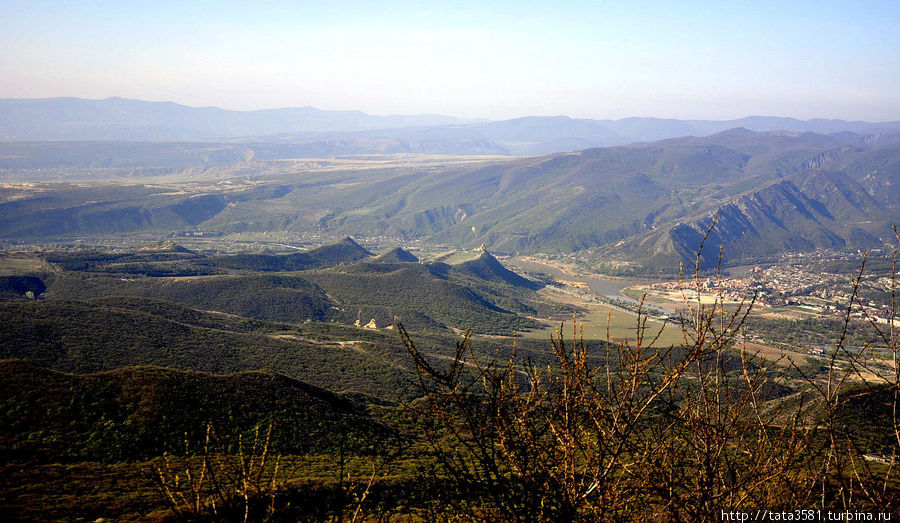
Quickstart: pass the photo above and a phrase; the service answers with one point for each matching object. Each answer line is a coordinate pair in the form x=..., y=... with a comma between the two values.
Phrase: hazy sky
x=677, y=59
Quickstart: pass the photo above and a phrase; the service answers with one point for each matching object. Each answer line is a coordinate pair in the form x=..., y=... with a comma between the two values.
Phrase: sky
x=496, y=60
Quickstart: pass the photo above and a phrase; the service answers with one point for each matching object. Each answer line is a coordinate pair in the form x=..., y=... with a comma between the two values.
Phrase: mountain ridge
x=119, y=118
x=315, y=133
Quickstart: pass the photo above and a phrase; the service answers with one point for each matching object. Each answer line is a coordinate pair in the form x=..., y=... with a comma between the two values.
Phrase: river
x=602, y=285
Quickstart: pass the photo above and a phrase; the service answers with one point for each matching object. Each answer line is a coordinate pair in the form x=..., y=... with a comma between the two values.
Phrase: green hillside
x=265, y=297
x=489, y=269
x=397, y=255
x=344, y=251
x=481, y=295
x=417, y=295
x=178, y=261
x=111, y=333
x=141, y=412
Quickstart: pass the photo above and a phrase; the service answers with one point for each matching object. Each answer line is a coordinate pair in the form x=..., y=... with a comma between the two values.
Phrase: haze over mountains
x=309, y=132
x=137, y=120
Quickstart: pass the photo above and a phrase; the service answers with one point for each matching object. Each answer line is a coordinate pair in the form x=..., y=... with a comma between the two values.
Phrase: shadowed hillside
x=265, y=297
x=140, y=412
x=488, y=268
x=397, y=255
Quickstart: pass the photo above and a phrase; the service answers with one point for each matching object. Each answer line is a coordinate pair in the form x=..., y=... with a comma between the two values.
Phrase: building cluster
x=734, y=289
x=816, y=292
x=783, y=285
x=793, y=286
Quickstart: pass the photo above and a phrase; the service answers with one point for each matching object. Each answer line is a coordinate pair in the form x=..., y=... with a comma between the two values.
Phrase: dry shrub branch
x=630, y=430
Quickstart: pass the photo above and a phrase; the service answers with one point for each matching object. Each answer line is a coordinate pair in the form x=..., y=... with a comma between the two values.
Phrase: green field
x=17, y=264
x=457, y=257
x=598, y=321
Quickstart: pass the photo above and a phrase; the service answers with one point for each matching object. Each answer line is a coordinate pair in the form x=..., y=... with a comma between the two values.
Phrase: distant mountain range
x=77, y=119
x=309, y=132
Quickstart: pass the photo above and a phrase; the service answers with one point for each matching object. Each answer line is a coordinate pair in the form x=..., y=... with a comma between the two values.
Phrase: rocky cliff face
x=821, y=210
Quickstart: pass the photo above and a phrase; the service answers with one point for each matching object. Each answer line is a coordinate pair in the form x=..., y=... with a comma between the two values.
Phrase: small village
x=794, y=288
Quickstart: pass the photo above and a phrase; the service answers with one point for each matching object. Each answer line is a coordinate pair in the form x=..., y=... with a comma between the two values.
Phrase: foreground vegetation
x=362, y=424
